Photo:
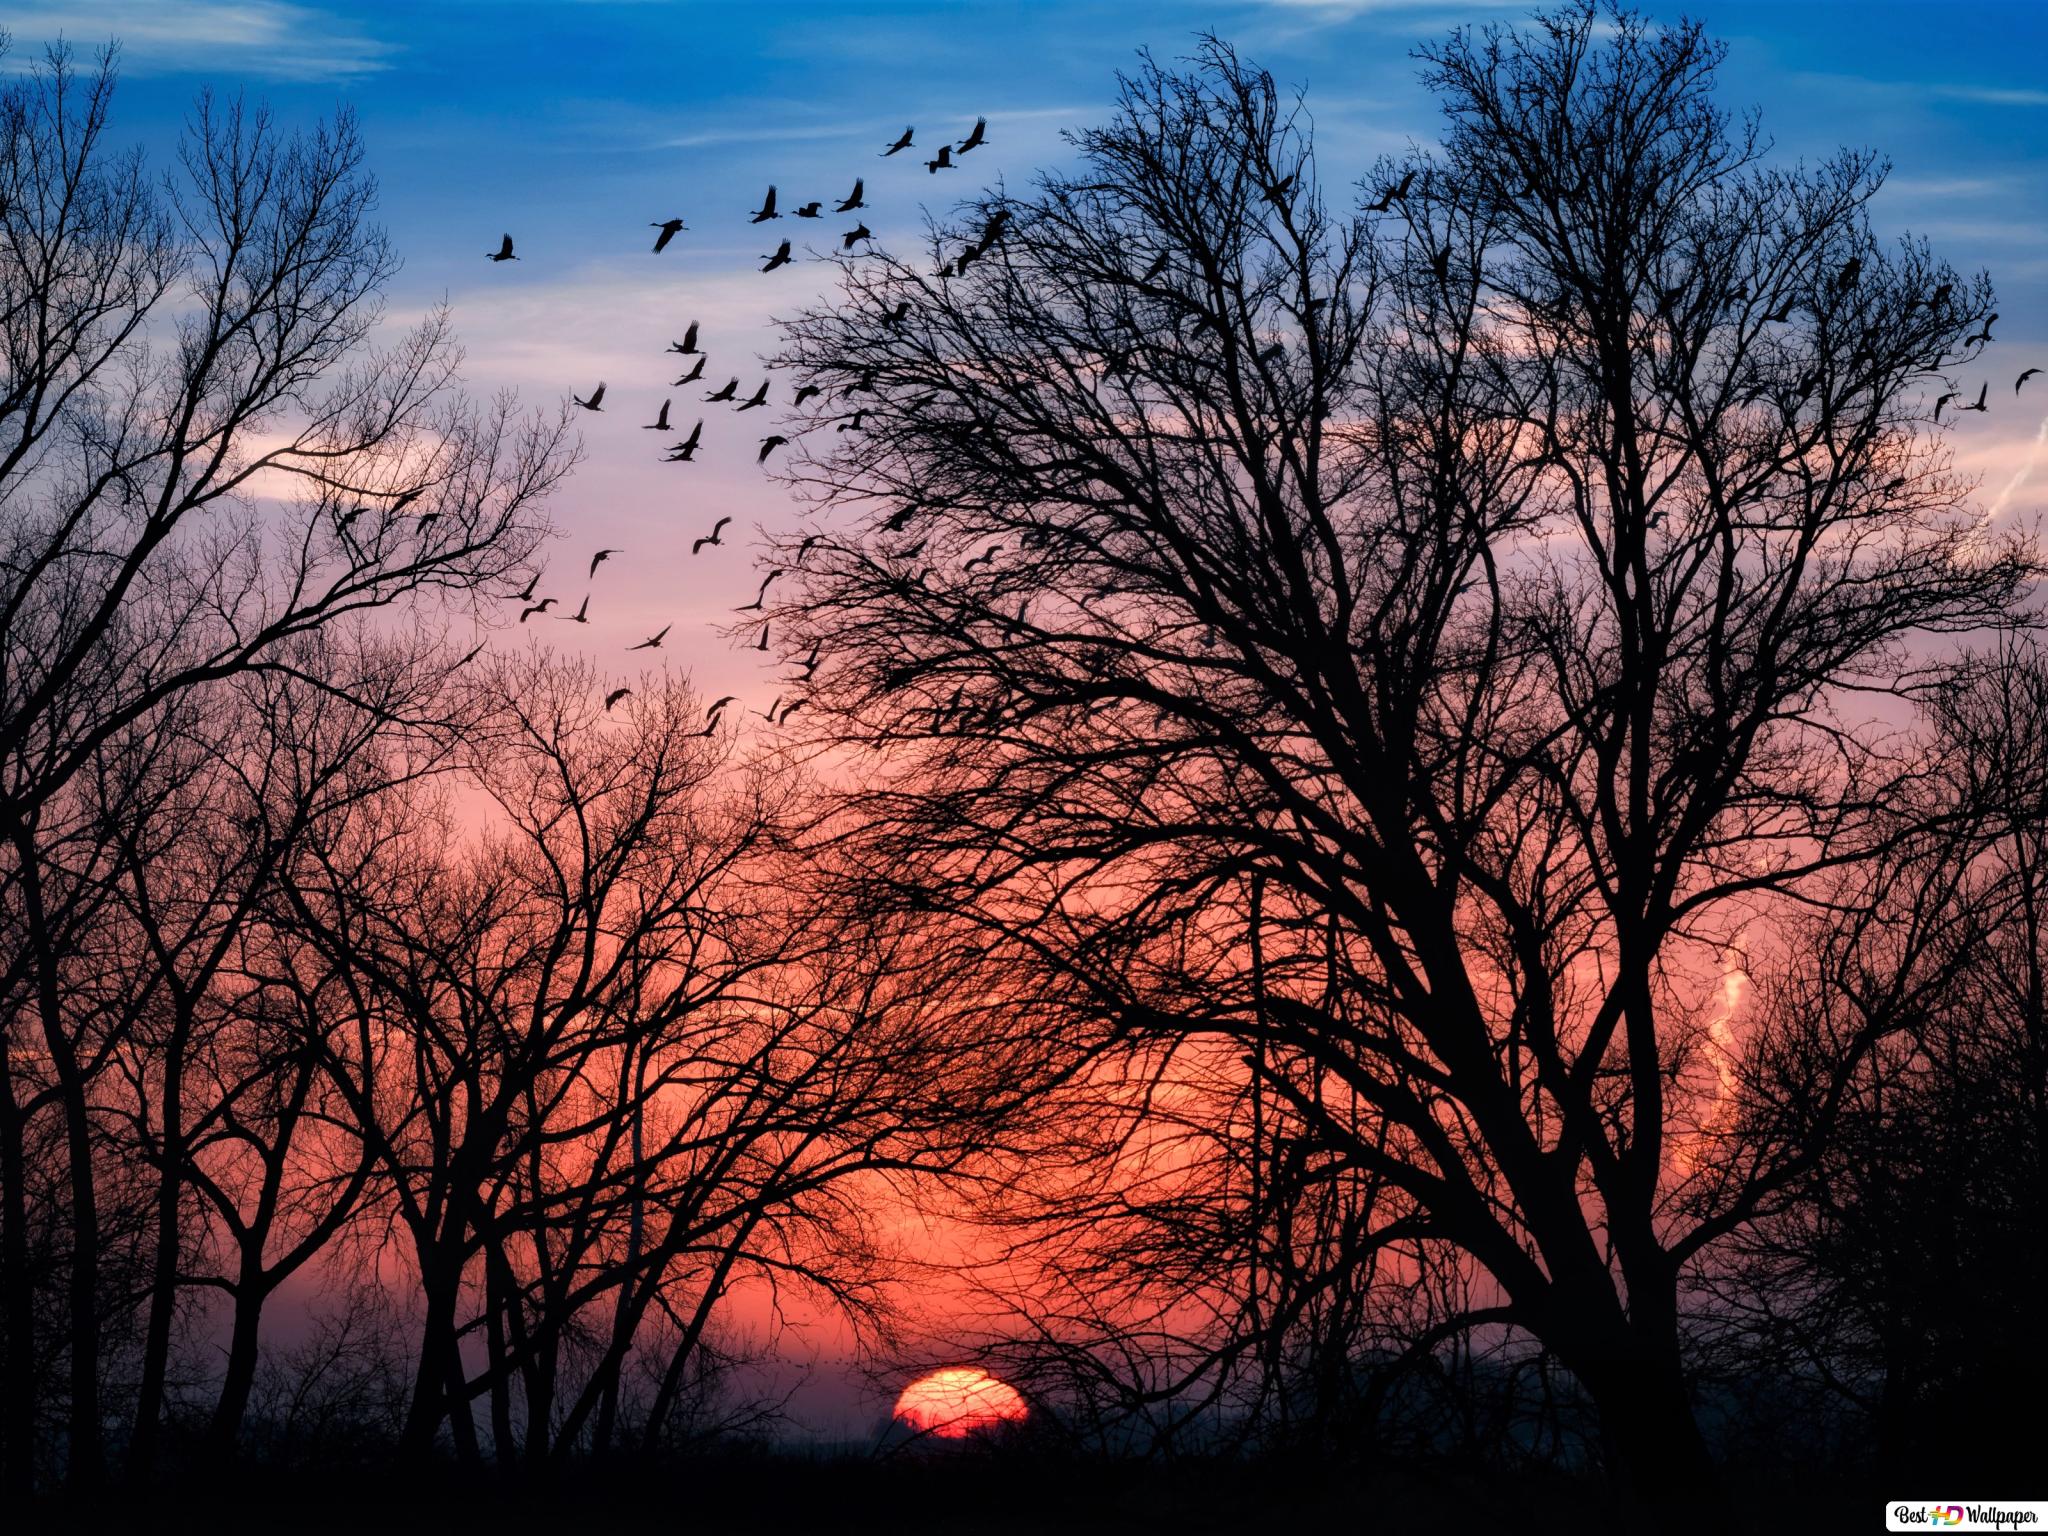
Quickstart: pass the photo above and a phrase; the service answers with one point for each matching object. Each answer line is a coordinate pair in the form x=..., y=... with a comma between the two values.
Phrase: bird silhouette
x=1944, y=400
x=614, y=696
x=1852, y=269
x=341, y=523
x=688, y=345
x=853, y=198
x=789, y=709
x=757, y=399
x=712, y=712
x=1158, y=266
x=943, y=269
x=715, y=536
x=1982, y=391
x=900, y=519
x=693, y=375
x=986, y=557
x=805, y=547
x=660, y=422
x=599, y=559
x=472, y=656
x=897, y=315
x=761, y=596
x=2016, y=383
x=809, y=210
x=767, y=209
x=669, y=228
x=1440, y=264
x=689, y=444
x=1783, y=313
x=768, y=714
x=1393, y=194
x=809, y=392
x=652, y=642
x=1941, y=294
x=858, y=232
x=852, y=423
x=1983, y=335
x=581, y=615
x=762, y=645
x=527, y=595
x=596, y=400
x=779, y=259
x=503, y=252
x=976, y=137
x=540, y=607
x=902, y=143
x=730, y=391
x=768, y=446
x=964, y=260
x=810, y=662
x=944, y=162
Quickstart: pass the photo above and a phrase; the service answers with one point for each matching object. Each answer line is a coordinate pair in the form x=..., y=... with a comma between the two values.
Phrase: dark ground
x=985, y=1495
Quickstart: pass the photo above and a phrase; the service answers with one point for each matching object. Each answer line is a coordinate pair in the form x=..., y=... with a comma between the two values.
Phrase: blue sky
x=574, y=124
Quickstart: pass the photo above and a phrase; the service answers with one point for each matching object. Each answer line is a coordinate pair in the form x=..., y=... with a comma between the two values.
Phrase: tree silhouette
x=1495, y=586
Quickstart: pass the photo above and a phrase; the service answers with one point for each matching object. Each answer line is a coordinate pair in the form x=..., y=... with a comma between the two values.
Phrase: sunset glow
x=957, y=1401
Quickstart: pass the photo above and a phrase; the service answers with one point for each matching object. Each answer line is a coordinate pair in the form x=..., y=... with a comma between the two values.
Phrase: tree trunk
x=17, y=1303
x=163, y=1288
x=244, y=1351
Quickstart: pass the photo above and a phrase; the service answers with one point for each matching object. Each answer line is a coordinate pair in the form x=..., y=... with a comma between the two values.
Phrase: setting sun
x=957, y=1401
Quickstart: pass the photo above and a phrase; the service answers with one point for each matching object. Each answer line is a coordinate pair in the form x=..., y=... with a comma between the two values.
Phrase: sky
x=573, y=124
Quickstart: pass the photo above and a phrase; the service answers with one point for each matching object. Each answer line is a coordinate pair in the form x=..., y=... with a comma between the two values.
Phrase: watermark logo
x=1970, y=1515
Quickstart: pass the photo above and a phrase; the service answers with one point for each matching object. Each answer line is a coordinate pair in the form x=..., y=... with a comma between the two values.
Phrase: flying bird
x=660, y=422
x=977, y=137
x=757, y=399
x=614, y=696
x=810, y=662
x=688, y=345
x=858, y=232
x=596, y=400
x=503, y=252
x=1158, y=266
x=1852, y=269
x=713, y=537
x=761, y=596
x=789, y=709
x=902, y=143
x=900, y=520
x=779, y=259
x=669, y=228
x=763, y=645
x=652, y=642
x=809, y=210
x=599, y=559
x=852, y=423
x=1983, y=390
x=986, y=557
x=1985, y=334
x=730, y=698
x=943, y=163
x=687, y=448
x=1783, y=313
x=1393, y=194
x=527, y=595
x=767, y=209
x=540, y=607
x=809, y=392
x=1938, y=404
x=693, y=375
x=581, y=615
x=853, y=198
x=897, y=315
x=2016, y=383
x=768, y=446
x=730, y=391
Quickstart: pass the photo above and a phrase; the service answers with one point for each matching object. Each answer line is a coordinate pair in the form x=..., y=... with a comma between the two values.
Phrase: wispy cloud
x=272, y=39
x=1991, y=95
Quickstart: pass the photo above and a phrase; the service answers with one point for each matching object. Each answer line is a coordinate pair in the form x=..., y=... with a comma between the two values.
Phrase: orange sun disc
x=958, y=1401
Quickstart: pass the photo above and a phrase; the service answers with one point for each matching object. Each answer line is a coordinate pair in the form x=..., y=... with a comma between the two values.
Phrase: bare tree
x=1494, y=581
x=205, y=452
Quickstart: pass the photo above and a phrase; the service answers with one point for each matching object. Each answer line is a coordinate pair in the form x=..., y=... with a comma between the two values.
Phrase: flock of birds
x=684, y=450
